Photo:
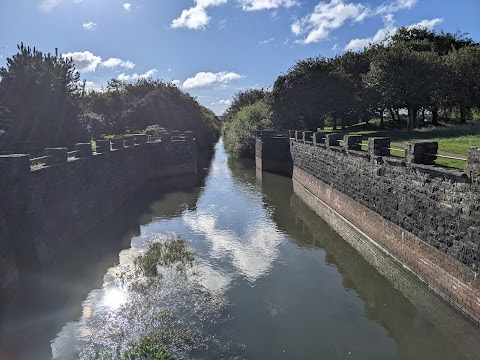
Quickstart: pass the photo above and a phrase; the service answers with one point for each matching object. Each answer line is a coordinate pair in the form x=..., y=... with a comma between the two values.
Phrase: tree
x=463, y=79
x=405, y=78
x=40, y=93
x=242, y=99
x=310, y=92
x=240, y=132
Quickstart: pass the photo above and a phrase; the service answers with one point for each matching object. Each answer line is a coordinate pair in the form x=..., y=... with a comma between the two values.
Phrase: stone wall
x=272, y=152
x=8, y=267
x=49, y=202
x=425, y=216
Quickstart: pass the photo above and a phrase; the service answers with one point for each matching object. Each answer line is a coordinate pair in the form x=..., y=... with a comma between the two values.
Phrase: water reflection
x=271, y=275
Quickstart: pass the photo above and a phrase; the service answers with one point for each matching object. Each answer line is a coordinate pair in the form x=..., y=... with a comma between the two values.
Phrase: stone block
x=83, y=150
x=379, y=146
x=56, y=156
x=166, y=137
x=421, y=152
x=129, y=141
x=189, y=135
x=473, y=164
x=308, y=136
x=291, y=134
x=318, y=138
x=140, y=139
x=299, y=135
x=117, y=144
x=353, y=142
x=103, y=146
x=333, y=139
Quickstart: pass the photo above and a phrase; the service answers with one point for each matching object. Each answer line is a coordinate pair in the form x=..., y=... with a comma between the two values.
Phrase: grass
x=172, y=253
x=451, y=139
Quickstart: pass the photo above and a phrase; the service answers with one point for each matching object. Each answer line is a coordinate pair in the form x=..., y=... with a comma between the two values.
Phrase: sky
x=214, y=48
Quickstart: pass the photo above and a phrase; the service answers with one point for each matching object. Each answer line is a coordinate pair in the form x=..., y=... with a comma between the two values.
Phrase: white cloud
x=265, y=42
x=380, y=35
x=177, y=83
x=84, y=61
x=116, y=62
x=255, y=5
x=394, y=6
x=127, y=7
x=425, y=23
x=196, y=17
x=148, y=74
x=202, y=79
x=388, y=29
x=48, y=5
x=222, y=102
x=327, y=17
x=91, y=86
x=91, y=26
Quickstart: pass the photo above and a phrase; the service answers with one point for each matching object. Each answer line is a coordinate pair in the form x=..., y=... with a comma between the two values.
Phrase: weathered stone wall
x=272, y=152
x=8, y=267
x=48, y=206
x=426, y=217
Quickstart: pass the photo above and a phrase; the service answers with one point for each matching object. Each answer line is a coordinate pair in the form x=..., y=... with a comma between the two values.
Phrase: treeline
x=415, y=71
x=43, y=104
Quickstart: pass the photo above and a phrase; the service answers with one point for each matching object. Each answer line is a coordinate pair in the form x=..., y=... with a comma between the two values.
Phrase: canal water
x=271, y=281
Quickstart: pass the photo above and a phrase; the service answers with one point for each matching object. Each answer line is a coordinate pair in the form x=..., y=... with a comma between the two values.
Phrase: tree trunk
x=382, y=125
x=392, y=114
x=414, y=118
x=398, y=117
x=334, y=121
x=343, y=122
x=410, y=118
x=423, y=115
x=435, y=116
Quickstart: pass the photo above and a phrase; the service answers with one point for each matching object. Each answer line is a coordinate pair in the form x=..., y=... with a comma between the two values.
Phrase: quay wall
x=46, y=206
x=424, y=216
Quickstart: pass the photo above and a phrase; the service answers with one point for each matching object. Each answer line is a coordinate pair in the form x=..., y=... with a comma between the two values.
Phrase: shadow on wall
x=45, y=301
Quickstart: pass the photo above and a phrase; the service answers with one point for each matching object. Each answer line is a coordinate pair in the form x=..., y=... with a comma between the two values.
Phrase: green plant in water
x=147, y=350
x=172, y=253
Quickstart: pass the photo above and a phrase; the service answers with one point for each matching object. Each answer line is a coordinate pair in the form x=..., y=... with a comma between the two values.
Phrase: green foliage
x=39, y=97
x=148, y=351
x=416, y=70
x=240, y=132
x=172, y=253
x=242, y=99
x=135, y=106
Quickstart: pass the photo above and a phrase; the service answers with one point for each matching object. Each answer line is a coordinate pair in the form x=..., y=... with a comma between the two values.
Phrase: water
x=272, y=281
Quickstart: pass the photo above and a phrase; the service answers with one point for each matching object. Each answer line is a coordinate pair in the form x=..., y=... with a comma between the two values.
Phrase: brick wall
x=424, y=216
x=48, y=206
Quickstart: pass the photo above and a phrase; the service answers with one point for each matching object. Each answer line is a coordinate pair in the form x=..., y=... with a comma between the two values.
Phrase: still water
x=272, y=281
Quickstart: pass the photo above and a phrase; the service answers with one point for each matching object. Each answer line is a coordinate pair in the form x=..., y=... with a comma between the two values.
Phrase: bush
x=240, y=132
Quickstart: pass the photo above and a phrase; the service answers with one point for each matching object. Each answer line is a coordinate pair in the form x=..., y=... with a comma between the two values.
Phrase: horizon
x=214, y=48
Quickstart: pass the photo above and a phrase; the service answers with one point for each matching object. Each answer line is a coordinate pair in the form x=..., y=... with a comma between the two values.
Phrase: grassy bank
x=452, y=139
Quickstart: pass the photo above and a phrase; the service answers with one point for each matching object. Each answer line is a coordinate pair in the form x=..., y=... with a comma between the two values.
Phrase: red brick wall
x=451, y=279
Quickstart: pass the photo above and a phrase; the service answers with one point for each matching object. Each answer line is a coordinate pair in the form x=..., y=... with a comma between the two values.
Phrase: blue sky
x=214, y=48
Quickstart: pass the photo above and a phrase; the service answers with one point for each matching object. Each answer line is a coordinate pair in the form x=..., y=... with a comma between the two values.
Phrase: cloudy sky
x=214, y=48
